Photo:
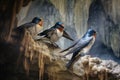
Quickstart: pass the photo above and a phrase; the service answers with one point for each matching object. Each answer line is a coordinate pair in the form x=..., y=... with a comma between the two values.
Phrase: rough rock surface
x=41, y=60
x=89, y=68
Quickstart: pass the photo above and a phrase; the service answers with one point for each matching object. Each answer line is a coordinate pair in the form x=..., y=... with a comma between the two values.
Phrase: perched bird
x=55, y=33
x=34, y=27
x=81, y=47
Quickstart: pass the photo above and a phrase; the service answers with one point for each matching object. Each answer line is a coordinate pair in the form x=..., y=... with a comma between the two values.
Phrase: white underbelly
x=86, y=49
x=56, y=36
x=59, y=33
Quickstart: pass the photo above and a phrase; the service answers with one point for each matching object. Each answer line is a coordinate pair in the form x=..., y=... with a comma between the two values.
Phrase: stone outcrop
x=44, y=62
x=89, y=68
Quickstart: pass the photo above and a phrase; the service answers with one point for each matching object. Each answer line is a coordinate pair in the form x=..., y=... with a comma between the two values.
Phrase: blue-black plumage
x=55, y=33
x=81, y=47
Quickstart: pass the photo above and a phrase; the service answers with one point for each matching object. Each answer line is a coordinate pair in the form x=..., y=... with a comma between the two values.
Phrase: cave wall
x=78, y=16
x=111, y=36
x=8, y=20
x=103, y=17
x=67, y=11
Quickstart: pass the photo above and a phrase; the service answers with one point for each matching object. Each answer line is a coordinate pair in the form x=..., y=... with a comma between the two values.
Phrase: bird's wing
x=80, y=45
x=22, y=27
x=66, y=35
x=47, y=32
x=28, y=25
x=70, y=46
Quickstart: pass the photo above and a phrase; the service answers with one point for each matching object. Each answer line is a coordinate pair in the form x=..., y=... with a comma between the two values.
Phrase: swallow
x=80, y=47
x=55, y=33
x=34, y=27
